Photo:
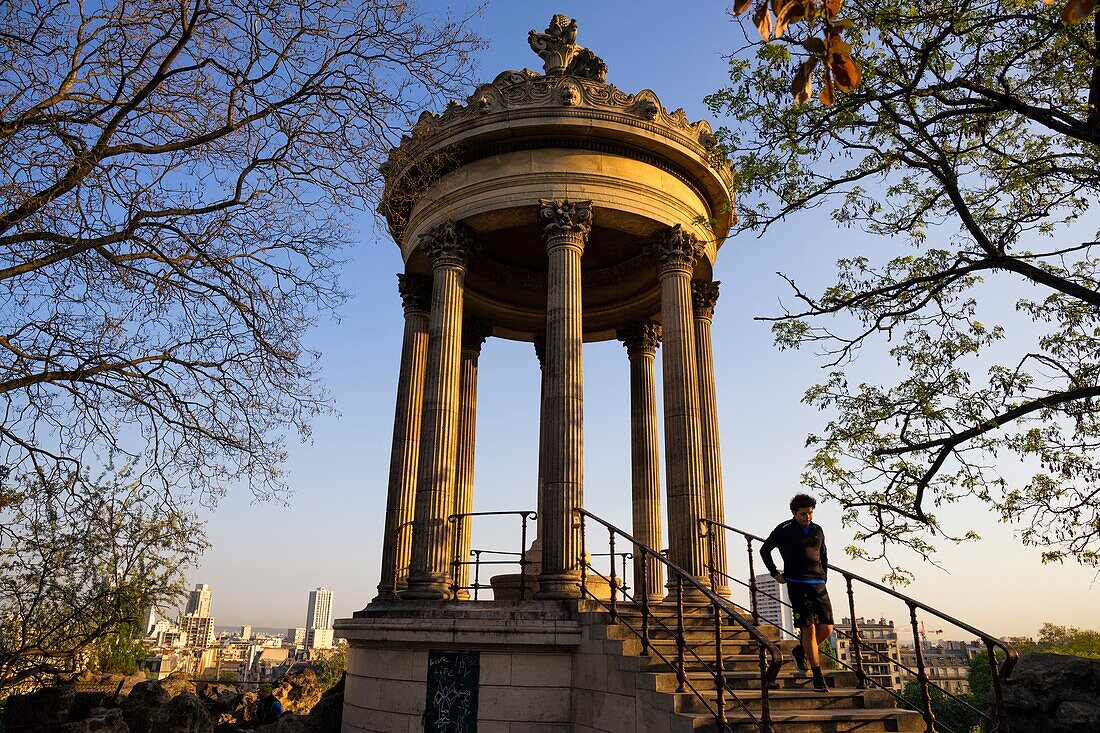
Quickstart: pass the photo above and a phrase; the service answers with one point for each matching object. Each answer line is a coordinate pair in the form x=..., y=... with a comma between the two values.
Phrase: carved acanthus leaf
x=450, y=243
x=415, y=292
x=474, y=333
x=640, y=337
x=675, y=247
x=565, y=217
x=704, y=296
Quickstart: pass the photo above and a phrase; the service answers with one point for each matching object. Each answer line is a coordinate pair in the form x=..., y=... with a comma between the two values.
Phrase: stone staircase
x=795, y=707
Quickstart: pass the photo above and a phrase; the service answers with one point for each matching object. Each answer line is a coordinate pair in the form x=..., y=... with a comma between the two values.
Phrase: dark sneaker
x=819, y=685
x=798, y=654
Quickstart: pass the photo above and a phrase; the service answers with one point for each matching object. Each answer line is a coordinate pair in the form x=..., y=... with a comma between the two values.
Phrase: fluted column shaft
x=676, y=252
x=534, y=555
x=447, y=247
x=704, y=297
x=565, y=227
x=415, y=293
x=641, y=341
x=474, y=334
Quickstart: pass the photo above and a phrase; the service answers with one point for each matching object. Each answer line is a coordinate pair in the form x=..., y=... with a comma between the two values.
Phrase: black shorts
x=811, y=604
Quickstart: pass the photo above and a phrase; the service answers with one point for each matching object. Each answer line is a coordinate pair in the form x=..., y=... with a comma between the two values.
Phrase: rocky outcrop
x=298, y=692
x=144, y=705
x=98, y=720
x=185, y=713
x=1053, y=693
x=327, y=714
x=40, y=711
x=174, y=706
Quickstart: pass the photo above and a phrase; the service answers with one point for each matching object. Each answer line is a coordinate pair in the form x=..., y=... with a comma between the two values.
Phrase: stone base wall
x=543, y=668
x=518, y=691
x=609, y=696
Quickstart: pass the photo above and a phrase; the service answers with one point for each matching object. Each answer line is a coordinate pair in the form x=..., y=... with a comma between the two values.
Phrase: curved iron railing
x=769, y=656
x=458, y=565
x=998, y=673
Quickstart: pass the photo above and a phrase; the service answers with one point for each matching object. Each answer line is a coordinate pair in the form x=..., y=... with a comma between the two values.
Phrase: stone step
x=822, y=721
x=790, y=700
x=748, y=680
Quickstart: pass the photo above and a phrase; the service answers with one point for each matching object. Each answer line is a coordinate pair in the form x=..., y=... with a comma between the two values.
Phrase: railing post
x=523, y=557
x=613, y=583
x=765, y=699
x=681, y=676
x=922, y=676
x=998, y=693
x=752, y=587
x=579, y=518
x=396, y=558
x=645, y=602
x=456, y=530
x=719, y=671
x=477, y=571
x=857, y=651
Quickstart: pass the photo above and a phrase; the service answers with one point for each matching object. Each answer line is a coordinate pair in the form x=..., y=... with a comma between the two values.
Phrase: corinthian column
x=474, y=333
x=704, y=296
x=641, y=341
x=565, y=227
x=447, y=246
x=416, y=295
x=676, y=251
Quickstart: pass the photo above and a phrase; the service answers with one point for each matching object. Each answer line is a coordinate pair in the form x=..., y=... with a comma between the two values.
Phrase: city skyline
x=340, y=477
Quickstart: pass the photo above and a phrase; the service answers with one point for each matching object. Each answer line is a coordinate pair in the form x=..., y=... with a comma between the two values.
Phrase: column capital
x=565, y=222
x=540, y=348
x=415, y=292
x=474, y=333
x=704, y=296
x=449, y=244
x=675, y=249
x=640, y=338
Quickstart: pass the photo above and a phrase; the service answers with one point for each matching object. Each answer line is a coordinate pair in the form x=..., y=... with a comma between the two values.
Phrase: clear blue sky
x=266, y=558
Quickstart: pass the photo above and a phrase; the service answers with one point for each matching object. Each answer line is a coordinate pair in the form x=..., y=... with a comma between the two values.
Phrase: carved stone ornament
x=557, y=45
x=415, y=292
x=558, y=218
x=450, y=243
x=640, y=337
x=570, y=96
x=560, y=54
x=474, y=333
x=675, y=248
x=704, y=296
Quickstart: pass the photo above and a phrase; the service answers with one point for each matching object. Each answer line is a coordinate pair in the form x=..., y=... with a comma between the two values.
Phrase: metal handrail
x=457, y=563
x=992, y=643
x=770, y=656
x=879, y=654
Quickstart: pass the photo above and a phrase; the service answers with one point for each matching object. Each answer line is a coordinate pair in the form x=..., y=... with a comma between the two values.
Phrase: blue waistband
x=813, y=581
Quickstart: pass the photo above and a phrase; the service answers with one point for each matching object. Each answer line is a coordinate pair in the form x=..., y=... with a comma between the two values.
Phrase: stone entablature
x=523, y=110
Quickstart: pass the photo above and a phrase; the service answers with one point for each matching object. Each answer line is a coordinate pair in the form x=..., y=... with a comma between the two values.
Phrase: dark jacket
x=804, y=555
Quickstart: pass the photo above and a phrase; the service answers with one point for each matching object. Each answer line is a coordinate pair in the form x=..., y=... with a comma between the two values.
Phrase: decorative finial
x=560, y=54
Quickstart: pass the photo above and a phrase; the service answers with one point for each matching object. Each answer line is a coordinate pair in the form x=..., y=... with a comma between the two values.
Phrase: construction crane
x=924, y=632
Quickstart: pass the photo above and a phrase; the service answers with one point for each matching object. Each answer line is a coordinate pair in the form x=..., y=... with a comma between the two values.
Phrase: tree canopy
x=177, y=181
x=972, y=147
x=79, y=563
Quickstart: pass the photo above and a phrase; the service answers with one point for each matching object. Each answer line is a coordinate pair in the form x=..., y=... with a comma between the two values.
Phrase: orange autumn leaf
x=740, y=6
x=827, y=96
x=802, y=86
x=763, y=20
x=833, y=7
x=1078, y=10
x=846, y=72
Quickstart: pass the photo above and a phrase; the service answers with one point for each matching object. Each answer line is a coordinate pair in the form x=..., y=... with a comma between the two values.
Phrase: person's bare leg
x=823, y=632
x=809, y=645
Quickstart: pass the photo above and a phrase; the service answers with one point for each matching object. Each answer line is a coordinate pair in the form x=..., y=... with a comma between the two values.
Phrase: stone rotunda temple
x=551, y=208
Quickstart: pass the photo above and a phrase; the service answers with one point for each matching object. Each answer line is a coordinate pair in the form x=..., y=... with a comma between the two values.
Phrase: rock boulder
x=1053, y=693
x=98, y=720
x=298, y=691
x=144, y=705
x=40, y=711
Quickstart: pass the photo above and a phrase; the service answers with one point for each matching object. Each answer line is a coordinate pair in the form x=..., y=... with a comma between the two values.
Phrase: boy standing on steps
x=801, y=544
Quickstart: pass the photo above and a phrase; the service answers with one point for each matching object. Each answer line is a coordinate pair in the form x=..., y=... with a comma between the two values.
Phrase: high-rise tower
x=198, y=601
